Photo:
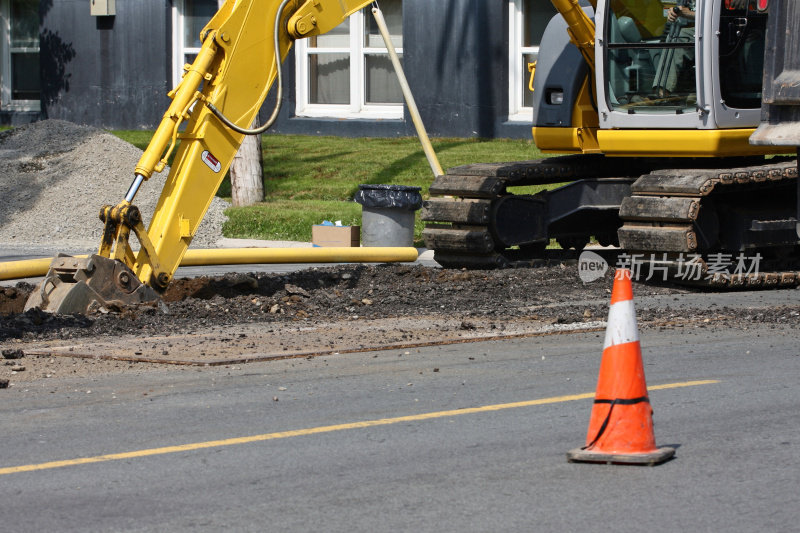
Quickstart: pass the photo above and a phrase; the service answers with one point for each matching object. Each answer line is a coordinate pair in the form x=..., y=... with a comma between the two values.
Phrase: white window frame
x=517, y=112
x=6, y=103
x=358, y=108
x=179, y=51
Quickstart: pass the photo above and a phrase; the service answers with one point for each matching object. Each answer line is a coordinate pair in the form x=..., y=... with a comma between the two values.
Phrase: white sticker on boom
x=212, y=162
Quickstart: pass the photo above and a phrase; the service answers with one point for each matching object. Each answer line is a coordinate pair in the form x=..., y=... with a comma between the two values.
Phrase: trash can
x=387, y=214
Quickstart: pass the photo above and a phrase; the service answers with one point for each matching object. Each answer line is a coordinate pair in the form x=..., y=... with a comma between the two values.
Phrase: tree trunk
x=247, y=180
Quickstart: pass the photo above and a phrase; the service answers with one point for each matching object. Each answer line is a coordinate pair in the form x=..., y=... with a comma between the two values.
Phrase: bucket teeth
x=89, y=284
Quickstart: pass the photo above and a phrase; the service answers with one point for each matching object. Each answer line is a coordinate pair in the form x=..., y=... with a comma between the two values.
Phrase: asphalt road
x=435, y=439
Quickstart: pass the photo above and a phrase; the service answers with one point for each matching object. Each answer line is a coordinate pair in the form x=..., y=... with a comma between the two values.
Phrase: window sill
x=21, y=106
x=524, y=117
x=349, y=116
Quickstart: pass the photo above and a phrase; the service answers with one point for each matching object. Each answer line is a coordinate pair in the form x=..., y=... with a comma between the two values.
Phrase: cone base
x=579, y=455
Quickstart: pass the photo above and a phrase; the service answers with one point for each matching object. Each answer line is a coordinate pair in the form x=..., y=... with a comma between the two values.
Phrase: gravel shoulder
x=55, y=177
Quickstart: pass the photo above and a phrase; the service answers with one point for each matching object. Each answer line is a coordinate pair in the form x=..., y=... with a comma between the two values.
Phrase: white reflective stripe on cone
x=621, y=324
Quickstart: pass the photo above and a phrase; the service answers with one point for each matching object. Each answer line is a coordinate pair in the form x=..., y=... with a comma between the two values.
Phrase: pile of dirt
x=355, y=292
x=55, y=177
x=321, y=311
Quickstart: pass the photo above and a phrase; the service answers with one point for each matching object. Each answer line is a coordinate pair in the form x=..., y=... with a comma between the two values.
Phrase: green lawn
x=310, y=179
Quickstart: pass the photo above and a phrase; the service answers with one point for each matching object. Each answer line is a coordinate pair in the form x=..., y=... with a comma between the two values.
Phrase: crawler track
x=670, y=216
x=462, y=203
x=705, y=216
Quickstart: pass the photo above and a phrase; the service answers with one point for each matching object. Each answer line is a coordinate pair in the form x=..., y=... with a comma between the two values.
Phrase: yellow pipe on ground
x=32, y=268
x=29, y=268
x=332, y=254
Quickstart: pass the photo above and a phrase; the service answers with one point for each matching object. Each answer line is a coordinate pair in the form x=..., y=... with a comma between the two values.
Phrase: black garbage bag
x=394, y=196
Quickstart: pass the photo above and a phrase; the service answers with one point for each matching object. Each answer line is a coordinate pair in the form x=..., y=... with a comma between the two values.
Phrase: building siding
x=115, y=72
x=455, y=56
x=111, y=72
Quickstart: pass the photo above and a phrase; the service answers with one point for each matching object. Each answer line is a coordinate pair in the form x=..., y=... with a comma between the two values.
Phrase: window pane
x=741, y=56
x=651, y=63
x=634, y=20
x=25, y=76
x=329, y=78
x=381, y=86
x=527, y=95
x=393, y=14
x=196, y=15
x=25, y=24
x=339, y=37
x=535, y=15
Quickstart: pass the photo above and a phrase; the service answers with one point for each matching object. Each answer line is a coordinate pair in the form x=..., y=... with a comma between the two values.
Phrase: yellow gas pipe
x=32, y=268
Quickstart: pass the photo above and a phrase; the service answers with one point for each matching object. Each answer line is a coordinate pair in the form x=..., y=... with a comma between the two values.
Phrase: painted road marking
x=317, y=430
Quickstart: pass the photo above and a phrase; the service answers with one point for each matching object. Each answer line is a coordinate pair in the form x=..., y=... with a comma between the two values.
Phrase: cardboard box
x=344, y=236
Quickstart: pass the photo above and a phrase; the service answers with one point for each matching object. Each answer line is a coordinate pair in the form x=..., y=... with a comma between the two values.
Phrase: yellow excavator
x=657, y=100
x=654, y=108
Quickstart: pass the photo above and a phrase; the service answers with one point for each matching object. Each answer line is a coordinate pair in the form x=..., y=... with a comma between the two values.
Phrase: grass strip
x=308, y=179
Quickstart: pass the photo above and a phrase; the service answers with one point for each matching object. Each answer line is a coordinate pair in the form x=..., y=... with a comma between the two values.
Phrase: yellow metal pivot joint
x=119, y=220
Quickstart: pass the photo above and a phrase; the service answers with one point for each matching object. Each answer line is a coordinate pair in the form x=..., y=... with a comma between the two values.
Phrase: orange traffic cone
x=621, y=425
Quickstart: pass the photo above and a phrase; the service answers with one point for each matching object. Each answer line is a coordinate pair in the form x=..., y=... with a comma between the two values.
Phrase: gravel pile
x=56, y=175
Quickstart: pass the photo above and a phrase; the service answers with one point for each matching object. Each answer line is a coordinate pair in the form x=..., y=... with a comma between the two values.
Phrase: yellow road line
x=317, y=430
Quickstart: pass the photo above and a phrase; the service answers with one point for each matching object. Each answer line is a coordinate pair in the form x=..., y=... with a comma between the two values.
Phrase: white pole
x=433, y=161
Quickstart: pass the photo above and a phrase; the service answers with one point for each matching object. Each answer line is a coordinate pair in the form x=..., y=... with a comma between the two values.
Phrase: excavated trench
x=240, y=318
x=348, y=292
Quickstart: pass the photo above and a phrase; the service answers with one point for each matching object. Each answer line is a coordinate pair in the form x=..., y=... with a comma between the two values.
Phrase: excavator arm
x=218, y=98
x=579, y=27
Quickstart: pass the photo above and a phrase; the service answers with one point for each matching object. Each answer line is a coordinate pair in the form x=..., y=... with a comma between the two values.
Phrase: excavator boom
x=580, y=27
x=218, y=98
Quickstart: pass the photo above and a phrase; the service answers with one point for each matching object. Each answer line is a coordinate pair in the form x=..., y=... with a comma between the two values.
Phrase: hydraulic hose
x=279, y=95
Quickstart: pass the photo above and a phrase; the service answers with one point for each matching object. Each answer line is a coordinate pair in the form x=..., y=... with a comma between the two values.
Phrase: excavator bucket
x=89, y=284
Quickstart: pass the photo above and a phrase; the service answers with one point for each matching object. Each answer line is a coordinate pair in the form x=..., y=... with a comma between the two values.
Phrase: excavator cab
x=653, y=87
x=700, y=72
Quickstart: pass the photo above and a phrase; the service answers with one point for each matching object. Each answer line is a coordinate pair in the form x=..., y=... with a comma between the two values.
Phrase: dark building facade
x=464, y=59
